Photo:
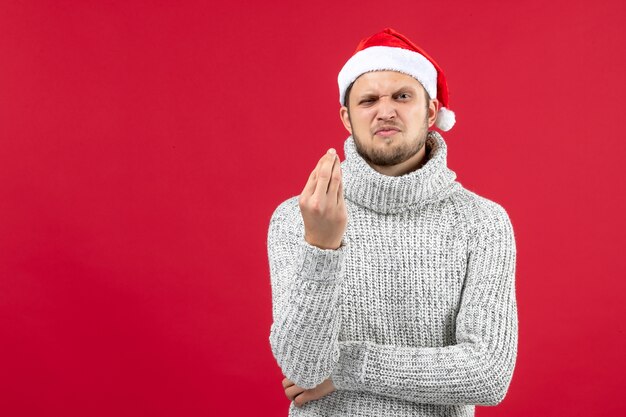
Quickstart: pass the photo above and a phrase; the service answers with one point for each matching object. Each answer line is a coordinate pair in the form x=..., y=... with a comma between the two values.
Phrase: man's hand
x=322, y=205
x=301, y=396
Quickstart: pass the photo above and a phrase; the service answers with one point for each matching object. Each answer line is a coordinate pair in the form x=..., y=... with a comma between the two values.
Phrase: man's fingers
x=335, y=179
x=305, y=397
x=340, y=200
x=311, y=184
x=293, y=391
x=309, y=187
x=324, y=173
x=301, y=399
x=313, y=394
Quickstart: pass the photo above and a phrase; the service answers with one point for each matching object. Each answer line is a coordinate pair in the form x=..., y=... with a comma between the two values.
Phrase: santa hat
x=390, y=50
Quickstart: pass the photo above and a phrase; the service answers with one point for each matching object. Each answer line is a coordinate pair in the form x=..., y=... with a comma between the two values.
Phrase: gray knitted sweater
x=415, y=314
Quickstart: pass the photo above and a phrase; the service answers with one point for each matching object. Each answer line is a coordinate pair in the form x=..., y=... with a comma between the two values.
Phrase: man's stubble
x=399, y=153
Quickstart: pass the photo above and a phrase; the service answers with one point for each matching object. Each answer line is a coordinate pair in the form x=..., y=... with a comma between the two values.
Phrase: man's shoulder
x=287, y=207
x=479, y=205
x=287, y=213
x=483, y=214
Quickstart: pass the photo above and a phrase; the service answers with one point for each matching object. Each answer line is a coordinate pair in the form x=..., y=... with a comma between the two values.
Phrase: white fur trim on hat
x=445, y=119
x=380, y=58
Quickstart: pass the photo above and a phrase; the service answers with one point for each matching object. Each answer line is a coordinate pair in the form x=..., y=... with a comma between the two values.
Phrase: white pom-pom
x=445, y=119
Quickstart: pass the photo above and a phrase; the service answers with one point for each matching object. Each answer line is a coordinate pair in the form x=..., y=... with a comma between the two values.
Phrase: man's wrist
x=333, y=245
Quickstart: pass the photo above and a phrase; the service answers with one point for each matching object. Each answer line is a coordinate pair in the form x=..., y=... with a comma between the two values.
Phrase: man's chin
x=383, y=151
x=386, y=158
x=384, y=140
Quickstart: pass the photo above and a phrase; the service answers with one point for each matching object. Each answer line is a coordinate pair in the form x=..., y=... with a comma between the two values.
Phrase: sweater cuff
x=349, y=373
x=321, y=264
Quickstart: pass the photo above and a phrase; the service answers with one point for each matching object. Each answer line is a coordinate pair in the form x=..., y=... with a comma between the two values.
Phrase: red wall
x=144, y=146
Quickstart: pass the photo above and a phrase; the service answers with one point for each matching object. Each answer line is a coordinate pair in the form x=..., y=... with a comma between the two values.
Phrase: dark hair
x=346, y=96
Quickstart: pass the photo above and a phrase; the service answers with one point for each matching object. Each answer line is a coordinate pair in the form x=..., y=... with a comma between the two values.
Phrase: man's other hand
x=322, y=205
x=301, y=396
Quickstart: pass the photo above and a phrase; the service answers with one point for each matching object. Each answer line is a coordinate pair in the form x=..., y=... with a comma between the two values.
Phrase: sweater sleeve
x=306, y=284
x=479, y=367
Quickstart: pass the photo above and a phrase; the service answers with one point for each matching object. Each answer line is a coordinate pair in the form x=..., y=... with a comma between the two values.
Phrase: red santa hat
x=390, y=50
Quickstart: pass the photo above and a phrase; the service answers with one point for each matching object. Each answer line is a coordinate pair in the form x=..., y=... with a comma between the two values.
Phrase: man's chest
x=404, y=278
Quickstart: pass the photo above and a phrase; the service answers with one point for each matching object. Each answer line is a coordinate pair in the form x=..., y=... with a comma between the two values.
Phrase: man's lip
x=386, y=129
x=387, y=132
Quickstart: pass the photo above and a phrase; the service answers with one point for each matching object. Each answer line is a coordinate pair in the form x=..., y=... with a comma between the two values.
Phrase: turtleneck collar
x=367, y=187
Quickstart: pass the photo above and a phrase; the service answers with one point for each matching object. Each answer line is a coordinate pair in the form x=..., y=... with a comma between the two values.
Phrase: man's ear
x=433, y=109
x=345, y=118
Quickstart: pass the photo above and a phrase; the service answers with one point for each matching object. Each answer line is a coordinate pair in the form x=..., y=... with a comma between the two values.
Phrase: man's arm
x=306, y=274
x=479, y=368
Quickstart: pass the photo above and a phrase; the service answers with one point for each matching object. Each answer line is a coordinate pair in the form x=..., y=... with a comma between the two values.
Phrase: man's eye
x=367, y=100
x=404, y=96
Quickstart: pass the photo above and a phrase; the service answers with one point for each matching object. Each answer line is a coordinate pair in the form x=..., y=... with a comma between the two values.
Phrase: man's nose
x=386, y=108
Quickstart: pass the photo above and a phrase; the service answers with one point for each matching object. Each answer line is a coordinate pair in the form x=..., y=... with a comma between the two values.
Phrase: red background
x=144, y=146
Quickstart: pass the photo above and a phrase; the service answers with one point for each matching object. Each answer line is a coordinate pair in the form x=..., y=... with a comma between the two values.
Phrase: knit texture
x=415, y=314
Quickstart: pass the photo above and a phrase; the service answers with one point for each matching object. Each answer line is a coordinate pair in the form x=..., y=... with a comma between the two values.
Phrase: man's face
x=389, y=115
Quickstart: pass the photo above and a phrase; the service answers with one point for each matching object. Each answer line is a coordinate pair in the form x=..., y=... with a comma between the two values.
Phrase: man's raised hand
x=322, y=205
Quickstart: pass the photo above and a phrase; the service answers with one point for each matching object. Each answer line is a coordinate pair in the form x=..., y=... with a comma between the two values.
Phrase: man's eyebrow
x=366, y=96
x=405, y=88
x=369, y=93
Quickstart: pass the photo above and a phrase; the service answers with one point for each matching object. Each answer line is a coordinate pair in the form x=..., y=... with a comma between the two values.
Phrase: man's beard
x=392, y=156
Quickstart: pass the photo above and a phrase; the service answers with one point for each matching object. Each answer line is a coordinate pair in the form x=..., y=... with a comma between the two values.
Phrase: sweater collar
x=367, y=187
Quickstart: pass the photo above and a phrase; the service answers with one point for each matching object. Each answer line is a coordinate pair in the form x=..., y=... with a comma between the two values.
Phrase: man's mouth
x=386, y=132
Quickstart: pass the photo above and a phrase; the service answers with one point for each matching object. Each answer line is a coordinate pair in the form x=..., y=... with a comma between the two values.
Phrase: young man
x=393, y=286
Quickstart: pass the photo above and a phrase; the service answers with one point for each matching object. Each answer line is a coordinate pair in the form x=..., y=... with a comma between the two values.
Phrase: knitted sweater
x=415, y=313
